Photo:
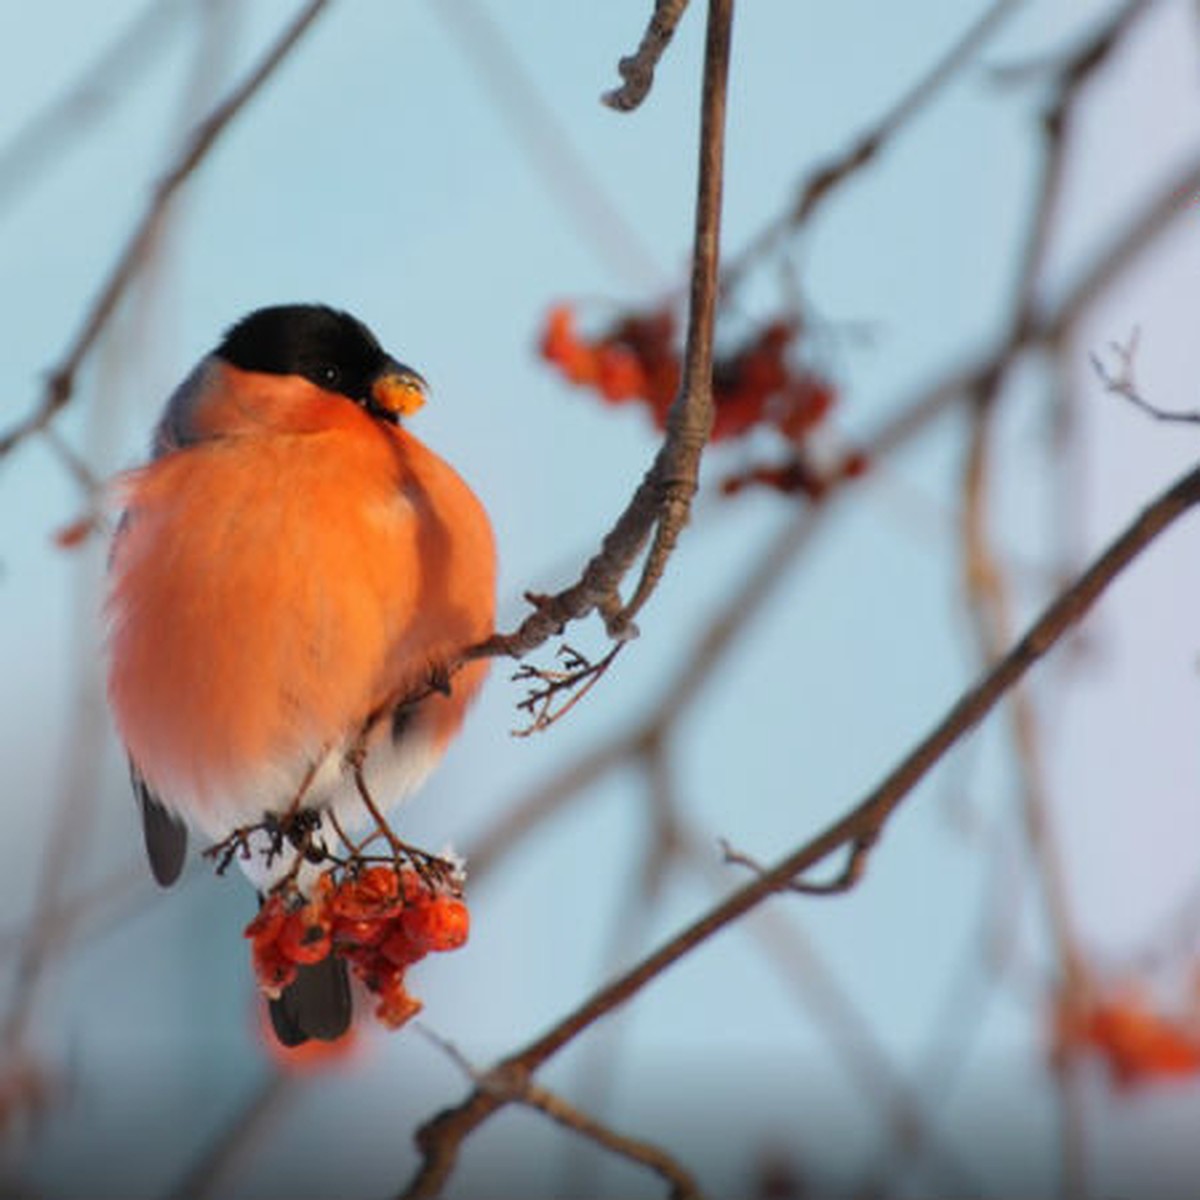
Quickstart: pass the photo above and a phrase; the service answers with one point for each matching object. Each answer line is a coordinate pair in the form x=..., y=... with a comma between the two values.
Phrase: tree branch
x=440, y=1138
x=662, y=501
x=60, y=380
x=824, y=180
x=637, y=70
x=517, y=1088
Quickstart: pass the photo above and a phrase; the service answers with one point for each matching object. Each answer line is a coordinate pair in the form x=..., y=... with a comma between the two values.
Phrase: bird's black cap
x=323, y=345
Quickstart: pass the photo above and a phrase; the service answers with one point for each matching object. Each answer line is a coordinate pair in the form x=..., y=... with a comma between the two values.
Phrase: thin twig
x=1073, y=75
x=958, y=1021
x=989, y=604
x=794, y=957
x=73, y=819
x=41, y=141
x=984, y=580
x=546, y=798
x=662, y=501
x=824, y=180
x=586, y=196
x=440, y=1138
x=1123, y=381
x=1051, y=323
x=846, y=879
x=637, y=69
x=60, y=380
x=683, y=1185
x=577, y=676
x=599, y=1060
x=518, y=1088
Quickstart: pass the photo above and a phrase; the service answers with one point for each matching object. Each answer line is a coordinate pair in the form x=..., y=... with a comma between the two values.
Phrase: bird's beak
x=398, y=392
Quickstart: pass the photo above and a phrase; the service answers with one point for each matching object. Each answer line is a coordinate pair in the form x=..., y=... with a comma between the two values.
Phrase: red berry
x=396, y=1007
x=399, y=948
x=441, y=923
x=272, y=969
x=373, y=894
x=349, y=932
x=266, y=926
x=306, y=935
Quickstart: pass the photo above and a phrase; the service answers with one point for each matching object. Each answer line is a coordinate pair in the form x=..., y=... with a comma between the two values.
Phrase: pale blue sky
x=377, y=173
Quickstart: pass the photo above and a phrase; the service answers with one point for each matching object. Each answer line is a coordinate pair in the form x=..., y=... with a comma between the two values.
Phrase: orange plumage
x=291, y=560
x=276, y=583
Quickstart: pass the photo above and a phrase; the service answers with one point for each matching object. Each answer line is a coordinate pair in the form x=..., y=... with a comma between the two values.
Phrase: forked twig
x=575, y=678
x=849, y=877
x=1123, y=382
x=517, y=1088
x=440, y=1139
x=637, y=69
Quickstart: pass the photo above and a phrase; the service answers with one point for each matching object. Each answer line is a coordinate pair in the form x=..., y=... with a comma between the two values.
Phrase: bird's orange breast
x=270, y=589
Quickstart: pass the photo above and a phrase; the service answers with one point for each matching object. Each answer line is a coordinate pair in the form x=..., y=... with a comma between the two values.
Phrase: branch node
x=637, y=69
x=1122, y=381
x=851, y=874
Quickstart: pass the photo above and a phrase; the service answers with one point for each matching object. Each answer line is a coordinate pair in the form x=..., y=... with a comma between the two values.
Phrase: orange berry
x=362, y=932
x=855, y=465
x=375, y=971
x=369, y=896
x=400, y=949
x=736, y=413
x=443, y=923
x=68, y=537
x=396, y=1007
x=380, y=881
x=272, y=969
x=580, y=365
x=559, y=336
x=619, y=375
x=306, y=935
x=268, y=923
x=805, y=404
x=412, y=886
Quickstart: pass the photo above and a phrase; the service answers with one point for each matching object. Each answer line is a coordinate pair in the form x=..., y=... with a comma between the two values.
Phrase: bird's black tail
x=316, y=1004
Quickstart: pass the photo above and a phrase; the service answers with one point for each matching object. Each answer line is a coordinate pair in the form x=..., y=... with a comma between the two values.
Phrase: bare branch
x=990, y=607
x=440, y=1138
x=662, y=501
x=517, y=1088
x=60, y=381
x=1073, y=76
x=637, y=70
x=586, y=197
x=822, y=181
x=110, y=78
x=577, y=676
x=1123, y=382
x=683, y=1185
x=846, y=879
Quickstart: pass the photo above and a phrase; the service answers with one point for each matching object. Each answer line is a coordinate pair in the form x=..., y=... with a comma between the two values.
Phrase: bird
x=291, y=562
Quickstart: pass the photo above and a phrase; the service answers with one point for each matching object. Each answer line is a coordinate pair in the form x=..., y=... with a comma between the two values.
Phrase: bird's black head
x=329, y=348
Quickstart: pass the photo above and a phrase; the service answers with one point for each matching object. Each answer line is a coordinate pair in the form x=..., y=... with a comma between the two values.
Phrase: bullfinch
x=290, y=560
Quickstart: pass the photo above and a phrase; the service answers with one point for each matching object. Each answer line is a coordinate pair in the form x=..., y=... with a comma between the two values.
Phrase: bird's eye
x=330, y=376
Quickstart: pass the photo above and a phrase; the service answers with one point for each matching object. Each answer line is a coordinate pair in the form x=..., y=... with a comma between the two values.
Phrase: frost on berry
x=379, y=918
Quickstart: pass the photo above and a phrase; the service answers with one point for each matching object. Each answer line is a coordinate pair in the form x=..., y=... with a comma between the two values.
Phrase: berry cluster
x=380, y=919
x=1136, y=1041
x=756, y=385
x=796, y=476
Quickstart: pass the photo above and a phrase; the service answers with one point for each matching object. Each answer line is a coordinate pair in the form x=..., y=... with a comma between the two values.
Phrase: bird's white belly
x=392, y=771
